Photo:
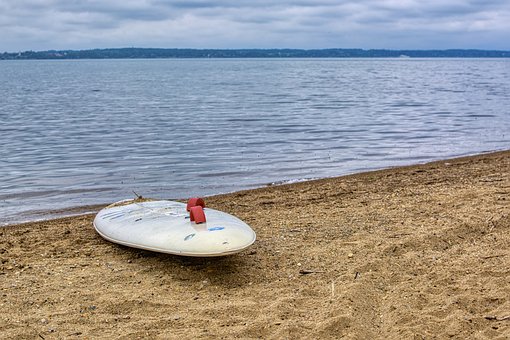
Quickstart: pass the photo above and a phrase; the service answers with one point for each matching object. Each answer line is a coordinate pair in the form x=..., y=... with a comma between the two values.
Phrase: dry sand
x=407, y=253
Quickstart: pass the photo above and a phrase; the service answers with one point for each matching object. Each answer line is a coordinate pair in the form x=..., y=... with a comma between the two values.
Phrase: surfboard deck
x=165, y=226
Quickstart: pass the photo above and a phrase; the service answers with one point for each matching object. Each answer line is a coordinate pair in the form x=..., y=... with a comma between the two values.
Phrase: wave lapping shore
x=413, y=252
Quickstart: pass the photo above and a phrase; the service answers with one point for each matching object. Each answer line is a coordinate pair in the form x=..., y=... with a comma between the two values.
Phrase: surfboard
x=174, y=228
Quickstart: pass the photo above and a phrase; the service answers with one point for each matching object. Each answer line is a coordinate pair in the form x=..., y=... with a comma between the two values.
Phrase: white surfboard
x=165, y=226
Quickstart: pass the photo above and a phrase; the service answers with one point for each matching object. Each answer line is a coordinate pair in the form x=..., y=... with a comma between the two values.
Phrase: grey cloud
x=42, y=24
x=119, y=10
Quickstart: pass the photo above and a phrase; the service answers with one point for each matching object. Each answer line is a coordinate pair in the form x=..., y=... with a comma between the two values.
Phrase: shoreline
x=414, y=251
x=76, y=211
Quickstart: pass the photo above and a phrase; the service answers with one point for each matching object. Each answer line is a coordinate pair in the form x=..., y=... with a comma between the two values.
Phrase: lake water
x=82, y=132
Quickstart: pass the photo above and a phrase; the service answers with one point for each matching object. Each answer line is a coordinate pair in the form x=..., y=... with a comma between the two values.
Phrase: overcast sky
x=392, y=24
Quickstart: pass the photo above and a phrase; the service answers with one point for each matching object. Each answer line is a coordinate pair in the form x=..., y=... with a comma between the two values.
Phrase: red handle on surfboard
x=195, y=201
x=196, y=214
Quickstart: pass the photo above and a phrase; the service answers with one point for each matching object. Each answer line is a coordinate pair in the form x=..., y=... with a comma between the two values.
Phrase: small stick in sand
x=306, y=271
x=493, y=256
x=492, y=317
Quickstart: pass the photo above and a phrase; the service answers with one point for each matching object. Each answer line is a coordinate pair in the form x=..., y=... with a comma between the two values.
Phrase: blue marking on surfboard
x=151, y=217
x=116, y=217
x=215, y=228
x=111, y=213
x=189, y=237
x=122, y=214
x=118, y=214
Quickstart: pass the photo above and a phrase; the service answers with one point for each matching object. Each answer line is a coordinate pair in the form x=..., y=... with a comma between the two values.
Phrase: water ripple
x=92, y=131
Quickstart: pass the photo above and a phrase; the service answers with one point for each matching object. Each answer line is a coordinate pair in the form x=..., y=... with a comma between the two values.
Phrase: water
x=81, y=132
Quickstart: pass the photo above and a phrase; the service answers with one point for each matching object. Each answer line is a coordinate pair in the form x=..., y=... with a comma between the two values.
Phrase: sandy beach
x=418, y=252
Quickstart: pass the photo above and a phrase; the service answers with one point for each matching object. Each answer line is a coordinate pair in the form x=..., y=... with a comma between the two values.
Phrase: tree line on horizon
x=148, y=53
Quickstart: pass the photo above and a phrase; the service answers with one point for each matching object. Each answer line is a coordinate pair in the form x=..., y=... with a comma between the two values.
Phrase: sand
x=419, y=252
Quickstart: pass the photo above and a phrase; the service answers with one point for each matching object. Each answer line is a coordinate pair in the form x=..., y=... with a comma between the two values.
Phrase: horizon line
x=259, y=49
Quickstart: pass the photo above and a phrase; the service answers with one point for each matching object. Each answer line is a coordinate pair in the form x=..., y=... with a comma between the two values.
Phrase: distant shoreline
x=186, y=53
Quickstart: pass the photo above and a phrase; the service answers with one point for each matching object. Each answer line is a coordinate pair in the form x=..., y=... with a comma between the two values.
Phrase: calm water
x=74, y=133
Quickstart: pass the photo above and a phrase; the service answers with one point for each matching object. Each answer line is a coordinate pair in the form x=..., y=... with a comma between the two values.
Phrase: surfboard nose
x=219, y=241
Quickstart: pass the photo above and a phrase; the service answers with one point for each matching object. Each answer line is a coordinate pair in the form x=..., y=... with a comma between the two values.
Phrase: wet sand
x=406, y=253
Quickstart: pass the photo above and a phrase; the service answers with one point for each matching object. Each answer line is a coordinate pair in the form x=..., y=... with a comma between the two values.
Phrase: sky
x=369, y=24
